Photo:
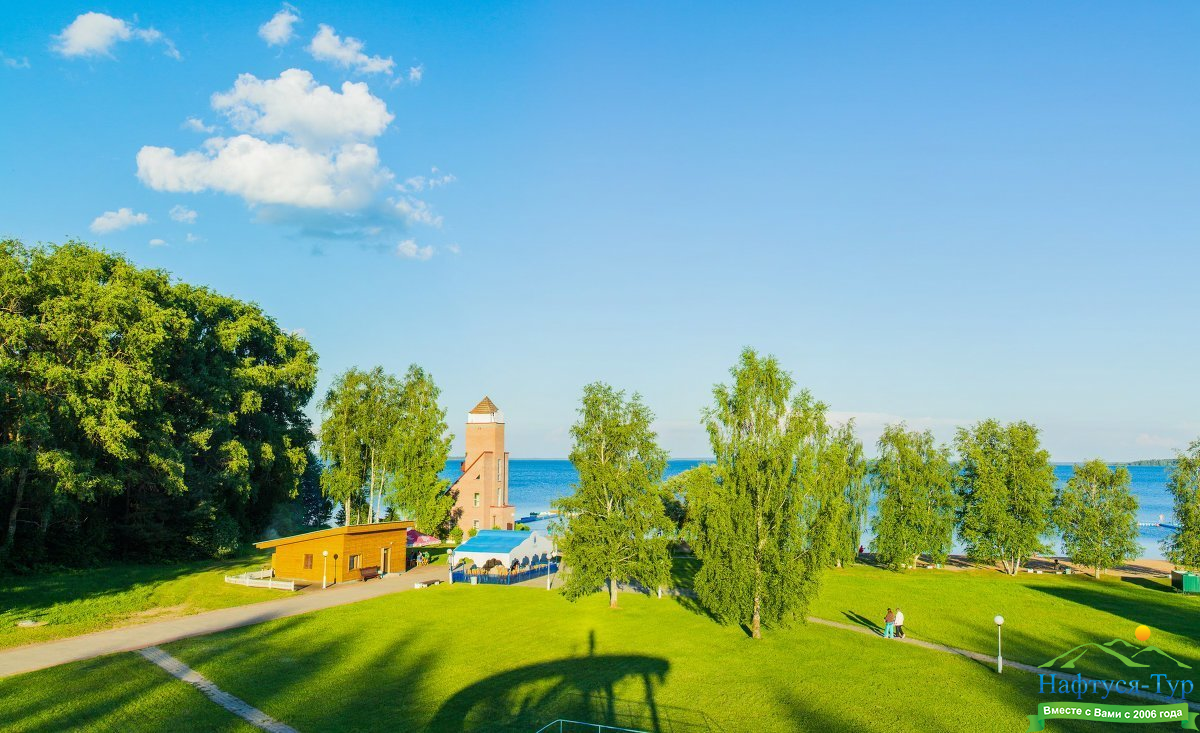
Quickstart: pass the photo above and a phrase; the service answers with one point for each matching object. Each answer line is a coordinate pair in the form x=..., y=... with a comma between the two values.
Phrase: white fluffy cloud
x=347, y=52
x=435, y=179
x=296, y=107
x=195, y=124
x=409, y=250
x=263, y=172
x=278, y=30
x=302, y=155
x=416, y=211
x=14, y=63
x=321, y=158
x=113, y=221
x=94, y=34
x=183, y=214
x=156, y=242
x=415, y=73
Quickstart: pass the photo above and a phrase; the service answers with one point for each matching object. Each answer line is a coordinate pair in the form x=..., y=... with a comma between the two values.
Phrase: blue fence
x=479, y=576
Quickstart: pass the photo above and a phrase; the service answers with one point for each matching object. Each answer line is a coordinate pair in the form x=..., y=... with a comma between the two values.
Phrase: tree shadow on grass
x=1166, y=611
x=575, y=688
x=116, y=692
x=1147, y=583
x=344, y=677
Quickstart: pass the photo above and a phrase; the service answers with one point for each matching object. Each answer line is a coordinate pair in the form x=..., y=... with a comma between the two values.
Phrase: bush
x=472, y=532
x=456, y=535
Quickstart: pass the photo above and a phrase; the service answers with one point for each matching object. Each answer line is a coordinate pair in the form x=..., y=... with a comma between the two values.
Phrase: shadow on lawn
x=113, y=696
x=861, y=620
x=299, y=680
x=579, y=688
x=1166, y=611
x=1147, y=583
x=34, y=596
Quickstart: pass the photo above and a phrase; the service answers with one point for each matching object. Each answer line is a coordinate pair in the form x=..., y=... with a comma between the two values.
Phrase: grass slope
x=501, y=659
x=81, y=601
x=1045, y=615
x=122, y=693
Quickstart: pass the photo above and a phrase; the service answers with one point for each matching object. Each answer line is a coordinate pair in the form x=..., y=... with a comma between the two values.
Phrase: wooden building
x=338, y=554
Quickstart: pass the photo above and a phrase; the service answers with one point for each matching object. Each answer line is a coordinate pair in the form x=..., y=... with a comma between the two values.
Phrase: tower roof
x=485, y=407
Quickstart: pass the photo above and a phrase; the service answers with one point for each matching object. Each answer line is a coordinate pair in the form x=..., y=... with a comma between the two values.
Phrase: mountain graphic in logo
x=1118, y=649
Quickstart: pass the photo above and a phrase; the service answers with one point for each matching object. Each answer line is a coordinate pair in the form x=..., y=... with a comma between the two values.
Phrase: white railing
x=558, y=725
x=261, y=579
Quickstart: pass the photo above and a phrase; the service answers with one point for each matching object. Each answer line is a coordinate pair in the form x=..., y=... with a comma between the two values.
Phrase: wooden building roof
x=334, y=531
x=485, y=407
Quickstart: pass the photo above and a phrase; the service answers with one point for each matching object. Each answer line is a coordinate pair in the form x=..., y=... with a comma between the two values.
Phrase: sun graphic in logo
x=1142, y=633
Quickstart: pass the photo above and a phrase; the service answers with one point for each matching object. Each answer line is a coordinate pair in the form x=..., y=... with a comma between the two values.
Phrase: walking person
x=899, y=623
x=889, y=625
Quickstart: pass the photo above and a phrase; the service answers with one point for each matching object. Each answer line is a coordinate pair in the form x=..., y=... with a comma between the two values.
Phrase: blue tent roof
x=495, y=540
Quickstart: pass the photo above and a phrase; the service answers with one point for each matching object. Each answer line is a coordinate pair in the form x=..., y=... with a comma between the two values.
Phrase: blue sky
x=936, y=212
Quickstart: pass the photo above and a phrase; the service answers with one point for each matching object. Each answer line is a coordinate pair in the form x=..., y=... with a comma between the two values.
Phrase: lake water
x=534, y=484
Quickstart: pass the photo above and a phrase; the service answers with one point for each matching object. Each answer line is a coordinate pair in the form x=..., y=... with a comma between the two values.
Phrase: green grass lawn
x=495, y=658
x=1045, y=615
x=72, y=602
x=489, y=658
x=118, y=693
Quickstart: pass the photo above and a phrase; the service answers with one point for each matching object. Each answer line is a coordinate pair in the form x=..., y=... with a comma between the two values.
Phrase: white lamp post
x=324, y=568
x=999, y=644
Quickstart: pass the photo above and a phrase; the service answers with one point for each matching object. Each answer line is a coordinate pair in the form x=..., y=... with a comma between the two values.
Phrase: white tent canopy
x=505, y=546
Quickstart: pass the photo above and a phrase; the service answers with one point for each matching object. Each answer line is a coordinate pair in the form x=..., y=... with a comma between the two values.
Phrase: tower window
x=476, y=498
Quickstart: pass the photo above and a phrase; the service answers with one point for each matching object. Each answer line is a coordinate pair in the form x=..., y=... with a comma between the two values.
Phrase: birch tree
x=613, y=528
x=765, y=527
x=1005, y=485
x=1097, y=516
x=914, y=484
x=1182, y=546
x=419, y=456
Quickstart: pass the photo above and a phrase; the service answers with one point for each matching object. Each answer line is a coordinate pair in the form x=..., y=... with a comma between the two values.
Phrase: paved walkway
x=131, y=638
x=235, y=705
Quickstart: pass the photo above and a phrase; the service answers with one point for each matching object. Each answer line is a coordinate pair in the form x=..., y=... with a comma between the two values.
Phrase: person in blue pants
x=889, y=625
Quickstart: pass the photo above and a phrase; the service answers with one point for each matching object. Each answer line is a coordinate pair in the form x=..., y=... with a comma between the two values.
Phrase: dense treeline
x=785, y=498
x=140, y=417
x=384, y=442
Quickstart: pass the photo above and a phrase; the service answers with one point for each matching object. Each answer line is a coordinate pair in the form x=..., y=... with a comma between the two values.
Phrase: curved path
x=131, y=638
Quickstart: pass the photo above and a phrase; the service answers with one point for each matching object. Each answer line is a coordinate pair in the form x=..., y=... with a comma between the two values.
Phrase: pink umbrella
x=416, y=539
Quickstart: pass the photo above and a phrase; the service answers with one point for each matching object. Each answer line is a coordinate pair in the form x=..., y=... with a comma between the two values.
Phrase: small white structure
x=505, y=546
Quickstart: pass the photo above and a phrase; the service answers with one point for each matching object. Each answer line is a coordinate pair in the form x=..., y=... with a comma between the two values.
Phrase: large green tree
x=613, y=527
x=1097, y=515
x=765, y=527
x=1005, y=485
x=846, y=471
x=361, y=415
x=913, y=482
x=142, y=417
x=423, y=446
x=1182, y=546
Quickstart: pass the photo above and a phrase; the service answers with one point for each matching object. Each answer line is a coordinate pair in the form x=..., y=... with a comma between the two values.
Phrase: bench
x=369, y=572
